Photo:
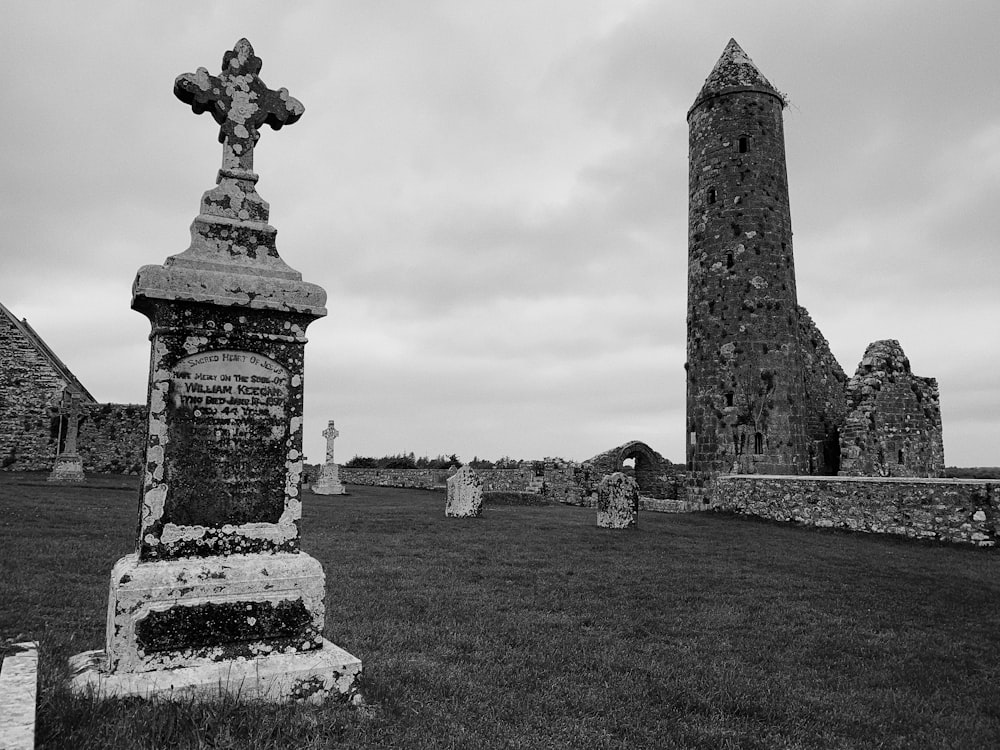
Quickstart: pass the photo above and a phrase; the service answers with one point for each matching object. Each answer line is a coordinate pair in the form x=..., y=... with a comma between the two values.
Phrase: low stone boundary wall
x=670, y=505
x=423, y=479
x=494, y=480
x=965, y=511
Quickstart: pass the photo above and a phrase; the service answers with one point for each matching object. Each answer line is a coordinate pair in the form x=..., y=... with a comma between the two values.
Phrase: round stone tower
x=745, y=379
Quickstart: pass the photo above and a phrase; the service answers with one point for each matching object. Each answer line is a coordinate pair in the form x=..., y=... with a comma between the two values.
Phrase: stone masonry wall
x=30, y=389
x=745, y=386
x=655, y=475
x=493, y=480
x=111, y=438
x=424, y=479
x=826, y=406
x=893, y=423
x=954, y=510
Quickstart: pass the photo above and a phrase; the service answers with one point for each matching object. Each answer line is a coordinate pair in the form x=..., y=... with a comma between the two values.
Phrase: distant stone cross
x=330, y=433
x=241, y=103
x=71, y=409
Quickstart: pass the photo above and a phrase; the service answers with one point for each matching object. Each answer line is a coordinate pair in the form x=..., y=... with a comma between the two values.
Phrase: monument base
x=311, y=676
x=68, y=469
x=329, y=488
x=329, y=481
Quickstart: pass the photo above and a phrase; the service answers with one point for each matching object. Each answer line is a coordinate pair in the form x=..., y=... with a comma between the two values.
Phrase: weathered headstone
x=617, y=501
x=465, y=494
x=218, y=597
x=329, y=475
x=18, y=693
x=68, y=466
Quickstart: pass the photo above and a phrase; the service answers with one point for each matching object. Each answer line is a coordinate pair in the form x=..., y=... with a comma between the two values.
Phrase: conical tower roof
x=735, y=71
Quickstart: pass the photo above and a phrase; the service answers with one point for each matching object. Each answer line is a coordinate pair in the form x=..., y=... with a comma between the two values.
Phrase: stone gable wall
x=893, y=422
x=30, y=389
x=955, y=510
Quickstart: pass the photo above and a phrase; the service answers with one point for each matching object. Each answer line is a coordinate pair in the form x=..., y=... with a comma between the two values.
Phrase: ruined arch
x=652, y=471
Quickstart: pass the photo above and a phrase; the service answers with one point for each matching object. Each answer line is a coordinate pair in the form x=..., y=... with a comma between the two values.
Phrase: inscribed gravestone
x=617, y=501
x=465, y=494
x=218, y=595
x=329, y=477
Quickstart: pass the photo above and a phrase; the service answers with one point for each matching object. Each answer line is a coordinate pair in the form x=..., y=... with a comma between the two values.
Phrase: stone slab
x=617, y=502
x=18, y=695
x=311, y=676
x=465, y=494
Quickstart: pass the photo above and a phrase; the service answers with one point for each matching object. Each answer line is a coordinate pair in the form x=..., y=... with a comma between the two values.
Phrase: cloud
x=494, y=196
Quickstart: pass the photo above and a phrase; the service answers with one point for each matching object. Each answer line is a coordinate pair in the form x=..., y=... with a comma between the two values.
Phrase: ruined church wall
x=29, y=391
x=960, y=511
x=112, y=438
x=893, y=423
x=825, y=394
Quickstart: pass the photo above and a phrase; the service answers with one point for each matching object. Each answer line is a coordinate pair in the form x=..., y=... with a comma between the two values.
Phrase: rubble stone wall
x=112, y=438
x=423, y=479
x=949, y=510
x=825, y=405
x=893, y=423
x=30, y=389
x=493, y=480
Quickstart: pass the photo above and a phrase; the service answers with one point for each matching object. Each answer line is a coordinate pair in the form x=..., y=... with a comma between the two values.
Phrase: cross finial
x=241, y=103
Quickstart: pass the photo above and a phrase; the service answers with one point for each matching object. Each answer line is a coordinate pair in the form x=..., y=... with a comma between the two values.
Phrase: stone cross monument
x=218, y=595
x=68, y=466
x=329, y=477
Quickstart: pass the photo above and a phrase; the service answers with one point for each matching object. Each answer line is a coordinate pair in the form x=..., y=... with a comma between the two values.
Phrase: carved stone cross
x=71, y=410
x=330, y=433
x=241, y=103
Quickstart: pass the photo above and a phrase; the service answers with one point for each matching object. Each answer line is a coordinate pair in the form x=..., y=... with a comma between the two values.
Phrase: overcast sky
x=494, y=196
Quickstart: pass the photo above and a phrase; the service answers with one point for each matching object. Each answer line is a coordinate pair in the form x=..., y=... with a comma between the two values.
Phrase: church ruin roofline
x=57, y=364
x=734, y=72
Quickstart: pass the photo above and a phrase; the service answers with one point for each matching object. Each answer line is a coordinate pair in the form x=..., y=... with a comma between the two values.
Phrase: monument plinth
x=218, y=596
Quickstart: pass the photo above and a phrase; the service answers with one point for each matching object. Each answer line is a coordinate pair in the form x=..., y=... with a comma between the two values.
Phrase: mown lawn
x=532, y=628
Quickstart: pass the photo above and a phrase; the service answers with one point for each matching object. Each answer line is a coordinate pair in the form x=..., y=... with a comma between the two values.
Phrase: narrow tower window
x=744, y=144
x=711, y=196
x=758, y=443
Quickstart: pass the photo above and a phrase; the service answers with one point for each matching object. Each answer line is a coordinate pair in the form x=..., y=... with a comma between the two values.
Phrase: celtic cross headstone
x=329, y=476
x=218, y=594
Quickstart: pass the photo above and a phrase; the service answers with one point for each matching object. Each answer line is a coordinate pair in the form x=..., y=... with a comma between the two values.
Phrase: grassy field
x=532, y=628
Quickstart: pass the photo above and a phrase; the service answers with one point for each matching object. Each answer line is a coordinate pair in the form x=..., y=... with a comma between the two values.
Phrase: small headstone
x=329, y=475
x=18, y=692
x=218, y=598
x=68, y=466
x=465, y=494
x=617, y=502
